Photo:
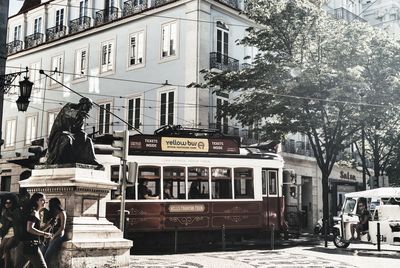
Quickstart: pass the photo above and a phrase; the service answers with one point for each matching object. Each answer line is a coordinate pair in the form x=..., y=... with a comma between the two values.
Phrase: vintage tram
x=198, y=186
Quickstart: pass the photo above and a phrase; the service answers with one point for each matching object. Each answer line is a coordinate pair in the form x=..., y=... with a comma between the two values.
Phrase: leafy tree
x=307, y=78
x=381, y=69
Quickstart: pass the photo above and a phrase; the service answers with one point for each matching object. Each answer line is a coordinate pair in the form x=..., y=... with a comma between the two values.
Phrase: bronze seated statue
x=68, y=143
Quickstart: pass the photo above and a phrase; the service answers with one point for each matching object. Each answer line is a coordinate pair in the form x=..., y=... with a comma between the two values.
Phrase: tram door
x=269, y=179
x=269, y=182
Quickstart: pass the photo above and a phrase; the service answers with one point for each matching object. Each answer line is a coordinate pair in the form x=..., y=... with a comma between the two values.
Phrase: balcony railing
x=162, y=2
x=231, y=3
x=106, y=15
x=79, y=24
x=134, y=6
x=344, y=14
x=14, y=47
x=300, y=148
x=223, y=62
x=34, y=40
x=55, y=32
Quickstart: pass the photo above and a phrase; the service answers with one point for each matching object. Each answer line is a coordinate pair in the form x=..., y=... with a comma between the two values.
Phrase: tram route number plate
x=186, y=208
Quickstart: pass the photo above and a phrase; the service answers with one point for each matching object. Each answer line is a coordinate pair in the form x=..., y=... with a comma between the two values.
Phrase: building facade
x=134, y=58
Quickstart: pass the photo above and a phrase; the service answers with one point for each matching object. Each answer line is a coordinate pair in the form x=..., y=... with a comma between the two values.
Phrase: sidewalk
x=361, y=249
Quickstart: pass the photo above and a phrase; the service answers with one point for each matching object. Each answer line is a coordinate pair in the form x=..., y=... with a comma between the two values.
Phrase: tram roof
x=244, y=152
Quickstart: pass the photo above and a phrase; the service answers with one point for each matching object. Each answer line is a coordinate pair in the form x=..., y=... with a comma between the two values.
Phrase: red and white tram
x=199, y=185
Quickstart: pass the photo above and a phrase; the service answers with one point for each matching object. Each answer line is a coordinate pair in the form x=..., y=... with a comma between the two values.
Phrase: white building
x=384, y=14
x=134, y=58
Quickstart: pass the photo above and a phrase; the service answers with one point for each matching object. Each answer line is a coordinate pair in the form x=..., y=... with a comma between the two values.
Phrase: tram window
x=272, y=182
x=221, y=183
x=243, y=183
x=198, y=183
x=174, y=183
x=264, y=182
x=149, y=182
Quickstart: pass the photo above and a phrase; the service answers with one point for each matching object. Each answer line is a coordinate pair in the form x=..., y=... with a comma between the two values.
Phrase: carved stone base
x=93, y=241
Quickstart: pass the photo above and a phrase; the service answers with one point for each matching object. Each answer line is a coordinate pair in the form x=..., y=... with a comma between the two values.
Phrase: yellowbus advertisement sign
x=184, y=144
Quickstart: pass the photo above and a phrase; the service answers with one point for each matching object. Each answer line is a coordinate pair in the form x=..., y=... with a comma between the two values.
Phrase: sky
x=14, y=6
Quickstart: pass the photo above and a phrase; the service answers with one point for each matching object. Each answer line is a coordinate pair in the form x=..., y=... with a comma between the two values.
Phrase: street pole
x=3, y=57
x=364, y=179
x=123, y=196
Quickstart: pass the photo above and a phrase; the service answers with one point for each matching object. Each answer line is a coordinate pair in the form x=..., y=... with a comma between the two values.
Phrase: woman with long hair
x=57, y=228
x=31, y=239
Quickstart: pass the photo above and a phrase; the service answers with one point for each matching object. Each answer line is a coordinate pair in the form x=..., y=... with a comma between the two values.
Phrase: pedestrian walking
x=56, y=225
x=8, y=231
x=31, y=237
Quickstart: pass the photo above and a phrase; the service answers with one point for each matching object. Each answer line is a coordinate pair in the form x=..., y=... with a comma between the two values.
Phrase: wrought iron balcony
x=79, y=24
x=55, y=32
x=231, y=3
x=14, y=47
x=223, y=62
x=106, y=15
x=134, y=6
x=344, y=14
x=162, y=2
x=34, y=40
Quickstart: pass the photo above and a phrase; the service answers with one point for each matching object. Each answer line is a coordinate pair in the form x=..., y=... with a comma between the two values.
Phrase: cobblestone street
x=315, y=256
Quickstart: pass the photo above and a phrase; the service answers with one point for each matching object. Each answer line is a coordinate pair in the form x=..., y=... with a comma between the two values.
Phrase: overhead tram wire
x=105, y=77
x=99, y=106
x=158, y=83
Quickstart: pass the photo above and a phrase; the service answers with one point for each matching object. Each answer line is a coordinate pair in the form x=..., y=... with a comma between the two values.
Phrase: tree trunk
x=325, y=197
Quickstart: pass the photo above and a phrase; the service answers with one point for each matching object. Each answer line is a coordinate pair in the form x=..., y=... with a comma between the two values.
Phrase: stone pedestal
x=93, y=241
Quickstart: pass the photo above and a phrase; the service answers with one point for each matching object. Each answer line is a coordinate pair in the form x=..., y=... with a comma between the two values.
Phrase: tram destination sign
x=182, y=144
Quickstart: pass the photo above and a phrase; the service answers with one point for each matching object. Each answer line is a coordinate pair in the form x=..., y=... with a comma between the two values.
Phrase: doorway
x=306, y=202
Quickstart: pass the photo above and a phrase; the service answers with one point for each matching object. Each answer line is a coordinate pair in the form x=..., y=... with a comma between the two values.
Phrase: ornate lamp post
x=25, y=89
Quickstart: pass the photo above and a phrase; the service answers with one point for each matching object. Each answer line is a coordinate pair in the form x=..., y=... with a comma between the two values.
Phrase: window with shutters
x=169, y=39
x=104, y=119
x=136, y=49
x=30, y=129
x=221, y=118
x=81, y=60
x=57, y=67
x=34, y=76
x=59, y=19
x=37, y=27
x=51, y=116
x=83, y=9
x=107, y=56
x=17, y=33
x=134, y=112
x=167, y=108
x=222, y=43
x=11, y=132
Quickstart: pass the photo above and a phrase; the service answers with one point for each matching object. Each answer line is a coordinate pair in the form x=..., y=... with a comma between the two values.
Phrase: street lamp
x=25, y=89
